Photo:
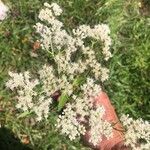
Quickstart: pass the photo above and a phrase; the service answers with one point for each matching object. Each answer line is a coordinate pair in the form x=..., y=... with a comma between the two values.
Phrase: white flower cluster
x=81, y=114
x=52, y=83
x=137, y=133
x=3, y=11
x=69, y=123
x=28, y=98
x=65, y=48
x=70, y=45
x=100, y=128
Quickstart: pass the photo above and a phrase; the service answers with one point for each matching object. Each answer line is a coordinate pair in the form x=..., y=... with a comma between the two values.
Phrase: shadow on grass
x=9, y=142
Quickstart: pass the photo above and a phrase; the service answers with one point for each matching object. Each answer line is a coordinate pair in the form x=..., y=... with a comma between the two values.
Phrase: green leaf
x=62, y=101
x=24, y=114
x=78, y=81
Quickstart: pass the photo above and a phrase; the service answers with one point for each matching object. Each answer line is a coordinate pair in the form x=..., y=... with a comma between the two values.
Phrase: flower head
x=3, y=11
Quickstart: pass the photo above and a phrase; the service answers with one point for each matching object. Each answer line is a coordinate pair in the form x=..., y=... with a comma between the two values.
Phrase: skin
x=110, y=115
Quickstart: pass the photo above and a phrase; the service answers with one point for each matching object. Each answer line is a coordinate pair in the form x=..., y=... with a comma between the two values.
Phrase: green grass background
x=129, y=83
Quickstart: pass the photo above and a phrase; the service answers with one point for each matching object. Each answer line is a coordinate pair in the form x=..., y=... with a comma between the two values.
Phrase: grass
x=129, y=83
